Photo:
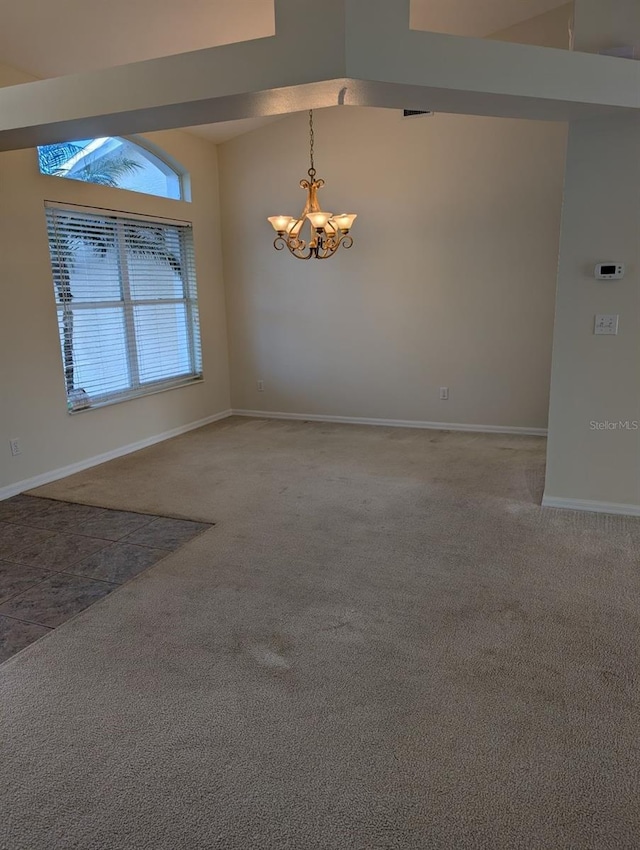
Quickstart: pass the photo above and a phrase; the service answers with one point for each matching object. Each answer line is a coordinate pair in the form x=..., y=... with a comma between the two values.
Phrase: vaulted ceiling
x=51, y=39
x=69, y=36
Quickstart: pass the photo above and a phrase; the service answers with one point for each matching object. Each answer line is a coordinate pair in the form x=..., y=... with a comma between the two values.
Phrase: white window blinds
x=126, y=297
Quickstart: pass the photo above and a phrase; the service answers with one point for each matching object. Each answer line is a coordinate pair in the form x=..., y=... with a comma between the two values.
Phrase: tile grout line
x=37, y=567
x=115, y=584
x=152, y=518
x=29, y=622
x=35, y=584
x=76, y=575
x=41, y=581
x=10, y=559
x=77, y=533
x=108, y=541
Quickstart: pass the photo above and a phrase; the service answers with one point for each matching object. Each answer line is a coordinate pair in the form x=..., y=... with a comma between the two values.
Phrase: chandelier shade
x=325, y=233
x=282, y=223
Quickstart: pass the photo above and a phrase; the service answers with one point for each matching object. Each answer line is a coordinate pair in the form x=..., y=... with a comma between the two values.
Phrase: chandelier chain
x=312, y=170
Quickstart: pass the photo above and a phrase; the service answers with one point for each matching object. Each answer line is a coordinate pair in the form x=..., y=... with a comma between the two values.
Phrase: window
x=115, y=162
x=126, y=298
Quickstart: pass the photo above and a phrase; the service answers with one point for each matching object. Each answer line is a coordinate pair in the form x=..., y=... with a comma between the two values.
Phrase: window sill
x=175, y=385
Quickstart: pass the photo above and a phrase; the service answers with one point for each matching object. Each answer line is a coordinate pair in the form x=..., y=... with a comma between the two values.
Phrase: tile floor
x=57, y=558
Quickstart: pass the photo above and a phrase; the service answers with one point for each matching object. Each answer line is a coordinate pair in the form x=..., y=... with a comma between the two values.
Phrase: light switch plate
x=607, y=325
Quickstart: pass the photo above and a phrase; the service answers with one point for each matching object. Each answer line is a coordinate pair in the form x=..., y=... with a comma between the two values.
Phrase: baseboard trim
x=64, y=471
x=394, y=423
x=591, y=506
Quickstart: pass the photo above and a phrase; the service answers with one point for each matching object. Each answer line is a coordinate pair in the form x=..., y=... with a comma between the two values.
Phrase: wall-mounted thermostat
x=609, y=271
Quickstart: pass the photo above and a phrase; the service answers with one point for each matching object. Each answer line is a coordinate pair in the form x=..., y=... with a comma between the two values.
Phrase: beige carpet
x=384, y=643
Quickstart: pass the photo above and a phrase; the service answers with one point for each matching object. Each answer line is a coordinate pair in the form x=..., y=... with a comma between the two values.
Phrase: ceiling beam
x=358, y=52
x=382, y=48
x=248, y=79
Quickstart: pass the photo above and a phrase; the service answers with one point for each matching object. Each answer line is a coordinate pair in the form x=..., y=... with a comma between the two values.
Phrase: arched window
x=117, y=162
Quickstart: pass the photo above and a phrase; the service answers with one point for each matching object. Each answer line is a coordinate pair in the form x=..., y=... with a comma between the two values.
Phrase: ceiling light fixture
x=327, y=231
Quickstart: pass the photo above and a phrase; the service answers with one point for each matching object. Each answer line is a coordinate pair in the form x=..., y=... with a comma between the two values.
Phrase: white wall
x=32, y=394
x=451, y=281
x=596, y=379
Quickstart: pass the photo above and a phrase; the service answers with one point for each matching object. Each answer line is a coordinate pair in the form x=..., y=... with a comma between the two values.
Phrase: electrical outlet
x=606, y=325
x=16, y=448
x=444, y=393
x=260, y=385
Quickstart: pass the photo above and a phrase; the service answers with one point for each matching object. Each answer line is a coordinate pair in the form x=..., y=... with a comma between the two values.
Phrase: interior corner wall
x=451, y=281
x=32, y=395
x=550, y=29
x=601, y=24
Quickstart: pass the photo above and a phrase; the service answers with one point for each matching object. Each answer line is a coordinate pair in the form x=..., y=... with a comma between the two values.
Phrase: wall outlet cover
x=606, y=325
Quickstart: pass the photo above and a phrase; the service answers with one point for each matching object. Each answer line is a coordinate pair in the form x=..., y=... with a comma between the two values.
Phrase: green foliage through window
x=115, y=162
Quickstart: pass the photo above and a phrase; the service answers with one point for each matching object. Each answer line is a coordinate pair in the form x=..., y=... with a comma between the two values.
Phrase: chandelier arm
x=326, y=250
x=332, y=240
x=345, y=241
x=296, y=243
x=292, y=245
x=327, y=255
x=323, y=250
x=297, y=252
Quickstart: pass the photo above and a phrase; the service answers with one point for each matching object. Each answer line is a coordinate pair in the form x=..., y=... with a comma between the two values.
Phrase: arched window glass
x=115, y=162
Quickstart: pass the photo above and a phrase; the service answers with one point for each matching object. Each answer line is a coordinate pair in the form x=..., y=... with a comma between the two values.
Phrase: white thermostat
x=609, y=271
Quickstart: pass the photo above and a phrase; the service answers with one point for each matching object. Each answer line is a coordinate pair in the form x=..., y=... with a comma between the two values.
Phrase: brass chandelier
x=327, y=232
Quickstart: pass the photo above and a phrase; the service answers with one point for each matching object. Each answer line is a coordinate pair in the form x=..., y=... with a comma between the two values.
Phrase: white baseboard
x=63, y=472
x=592, y=506
x=394, y=423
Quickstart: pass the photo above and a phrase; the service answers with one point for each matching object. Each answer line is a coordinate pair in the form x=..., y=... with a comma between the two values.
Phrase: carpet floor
x=384, y=643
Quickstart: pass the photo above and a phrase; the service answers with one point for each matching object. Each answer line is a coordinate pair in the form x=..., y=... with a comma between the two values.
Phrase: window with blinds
x=126, y=298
